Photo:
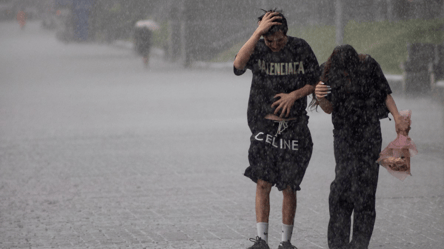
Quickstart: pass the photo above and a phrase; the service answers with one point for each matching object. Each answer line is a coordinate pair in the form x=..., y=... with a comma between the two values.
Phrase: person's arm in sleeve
x=243, y=56
x=384, y=89
x=286, y=101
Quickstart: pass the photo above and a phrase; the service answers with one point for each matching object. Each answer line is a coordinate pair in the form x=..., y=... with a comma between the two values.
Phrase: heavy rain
x=108, y=140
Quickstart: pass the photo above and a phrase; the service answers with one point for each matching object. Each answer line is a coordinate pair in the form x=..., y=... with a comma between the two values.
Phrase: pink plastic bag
x=396, y=156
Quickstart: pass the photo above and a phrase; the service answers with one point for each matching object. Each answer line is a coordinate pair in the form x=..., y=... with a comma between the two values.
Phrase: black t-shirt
x=362, y=103
x=293, y=67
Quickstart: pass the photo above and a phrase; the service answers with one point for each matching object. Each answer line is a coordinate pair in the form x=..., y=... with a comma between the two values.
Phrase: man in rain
x=142, y=37
x=285, y=70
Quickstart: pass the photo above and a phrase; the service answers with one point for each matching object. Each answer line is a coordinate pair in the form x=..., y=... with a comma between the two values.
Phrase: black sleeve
x=238, y=71
x=381, y=83
x=381, y=88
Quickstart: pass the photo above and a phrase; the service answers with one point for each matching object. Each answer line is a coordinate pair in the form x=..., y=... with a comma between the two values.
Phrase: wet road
x=97, y=152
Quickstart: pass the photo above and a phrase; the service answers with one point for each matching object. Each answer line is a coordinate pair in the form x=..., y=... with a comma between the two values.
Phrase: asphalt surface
x=98, y=152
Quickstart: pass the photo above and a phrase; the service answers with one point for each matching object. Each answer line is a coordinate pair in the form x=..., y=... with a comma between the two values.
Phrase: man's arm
x=286, y=100
x=245, y=52
x=325, y=105
x=247, y=49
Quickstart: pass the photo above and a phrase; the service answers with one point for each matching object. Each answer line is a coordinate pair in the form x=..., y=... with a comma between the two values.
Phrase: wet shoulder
x=296, y=41
x=298, y=45
x=368, y=63
x=367, y=59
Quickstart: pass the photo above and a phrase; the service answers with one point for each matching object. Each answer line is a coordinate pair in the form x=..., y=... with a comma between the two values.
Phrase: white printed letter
x=257, y=136
x=294, y=145
x=269, y=137
x=301, y=68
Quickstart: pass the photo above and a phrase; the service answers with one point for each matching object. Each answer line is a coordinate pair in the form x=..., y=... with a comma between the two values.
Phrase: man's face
x=276, y=41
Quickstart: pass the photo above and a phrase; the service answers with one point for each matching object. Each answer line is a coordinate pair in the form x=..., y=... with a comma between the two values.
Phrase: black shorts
x=280, y=159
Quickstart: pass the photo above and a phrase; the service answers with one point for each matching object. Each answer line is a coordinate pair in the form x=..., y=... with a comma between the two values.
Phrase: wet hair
x=340, y=69
x=344, y=59
x=275, y=28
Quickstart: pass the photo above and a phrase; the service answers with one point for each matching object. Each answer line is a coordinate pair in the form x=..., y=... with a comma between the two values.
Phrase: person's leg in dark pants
x=340, y=218
x=340, y=202
x=364, y=195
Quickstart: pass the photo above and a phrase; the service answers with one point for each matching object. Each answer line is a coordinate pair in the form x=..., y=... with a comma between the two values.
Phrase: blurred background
x=214, y=30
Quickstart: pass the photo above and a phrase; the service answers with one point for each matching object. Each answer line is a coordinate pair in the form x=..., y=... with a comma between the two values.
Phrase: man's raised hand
x=268, y=20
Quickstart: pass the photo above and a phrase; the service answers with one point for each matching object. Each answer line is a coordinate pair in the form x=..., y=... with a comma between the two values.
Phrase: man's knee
x=289, y=192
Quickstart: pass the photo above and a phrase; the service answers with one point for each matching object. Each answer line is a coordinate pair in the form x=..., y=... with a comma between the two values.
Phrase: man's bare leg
x=288, y=213
x=262, y=201
x=288, y=206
